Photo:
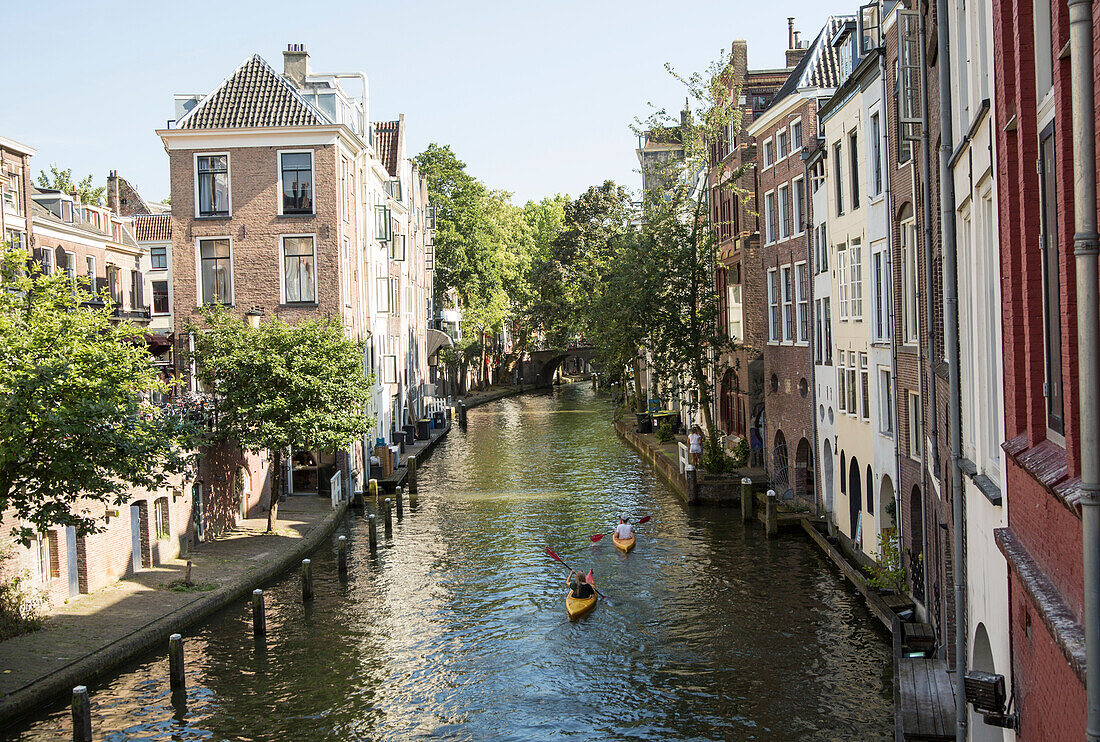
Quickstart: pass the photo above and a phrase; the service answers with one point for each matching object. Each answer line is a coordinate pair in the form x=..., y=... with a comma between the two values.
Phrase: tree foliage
x=282, y=386
x=62, y=180
x=76, y=431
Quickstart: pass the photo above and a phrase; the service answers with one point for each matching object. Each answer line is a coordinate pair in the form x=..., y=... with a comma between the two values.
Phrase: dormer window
x=66, y=211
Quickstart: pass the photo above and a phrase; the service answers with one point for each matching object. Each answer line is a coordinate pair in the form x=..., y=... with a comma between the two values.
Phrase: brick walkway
x=95, y=632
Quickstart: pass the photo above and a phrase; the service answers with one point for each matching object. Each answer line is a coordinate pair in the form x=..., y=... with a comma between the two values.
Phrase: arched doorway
x=886, y=506
x=827, y=475
x=855, y=500
x=804, y=471
x=781, y=479
x=916, y=545
x=982, y=659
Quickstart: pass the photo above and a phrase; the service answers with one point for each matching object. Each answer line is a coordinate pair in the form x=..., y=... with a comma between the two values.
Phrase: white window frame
x=70, y=259
x=735, y=307
x=842, y=279
x=312, y=175
x=228, y=183
x=90, y=268
x=786, y=288
x=232, y=269
x=880, y=280
x=783, y=196
x=910, y=306
x=345, y=269
x=874, y=155
x=798, y=217
x=770, y=210
x=782, y=134
x=801, y=135
x=915, y=432
x=773, y=306
x=886, y=401
x=842, y=384
x=152, y=296
x=802, y=303
x=864, y=382
x=768, y=160
x=855, y=269
x=282, y=267
x=382, y=294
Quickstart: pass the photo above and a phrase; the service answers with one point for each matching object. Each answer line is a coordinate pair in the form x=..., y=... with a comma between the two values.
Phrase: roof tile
x=254, y=95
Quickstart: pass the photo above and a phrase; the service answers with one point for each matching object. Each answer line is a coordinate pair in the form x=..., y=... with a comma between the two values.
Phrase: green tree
x=75, y=428
x=282, y=386
x=62, y=180
x=686, y=342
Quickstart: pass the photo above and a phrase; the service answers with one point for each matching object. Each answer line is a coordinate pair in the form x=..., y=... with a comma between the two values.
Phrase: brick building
x=1042, y=542
x=784, y=130
x=15, y=192
x=739, y=281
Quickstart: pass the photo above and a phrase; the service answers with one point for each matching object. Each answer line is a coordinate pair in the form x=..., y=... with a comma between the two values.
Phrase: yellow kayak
x=623, y=545
x=577, y=607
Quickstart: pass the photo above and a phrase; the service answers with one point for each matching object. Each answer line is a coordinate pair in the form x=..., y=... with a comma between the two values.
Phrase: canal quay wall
x=96, y=634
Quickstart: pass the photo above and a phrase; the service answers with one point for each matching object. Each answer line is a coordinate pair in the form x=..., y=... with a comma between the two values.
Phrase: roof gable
x=820, y=66
x=387, y=139
x=255, y=95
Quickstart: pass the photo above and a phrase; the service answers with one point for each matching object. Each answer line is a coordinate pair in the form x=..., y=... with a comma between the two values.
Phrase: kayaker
x=624, y=531
x=579, y=586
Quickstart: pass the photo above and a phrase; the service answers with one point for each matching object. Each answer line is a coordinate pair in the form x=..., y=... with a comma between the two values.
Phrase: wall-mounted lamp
x=253, y=317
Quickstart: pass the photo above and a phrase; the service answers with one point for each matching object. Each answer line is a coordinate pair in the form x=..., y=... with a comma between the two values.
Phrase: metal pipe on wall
x=1085, y=250
x=951, y=355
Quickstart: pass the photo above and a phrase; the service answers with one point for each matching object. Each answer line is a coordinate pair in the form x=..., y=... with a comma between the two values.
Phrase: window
x=802, y=292
x=389, y=369
x=855, y=268
x=299, y=270
x=161, y=519
x=915, y=434
x=853, y=155
x=216, y=269
x=838, y=179
x=799, y=213
x=853, y=400
x=885, y=401
x=11, y=192
x=90, y=263
x=137, y=291
x=397, y=247
x=382, y=294
x=70, y=266
x=735, y=312
x=42, y=558
x=770, y=226
x=841, y=383
x=1044, y=48
x=296, y=178
x=773, y=305
x=345, y=204
x=819, y=354
x=160, y=297
x=47, y=261
x=842, y=279
x=881, y=286
x=345, y=271
x=909, y=307
x=769, y=153
x=788, y=305
x=158, y=257
x=113, y=286
x=780, y=145
x=909, y=74
x=212, y=174
x=796, y=136
x=828, y=331
x=822, y=245
x=876, y=155
x=383, y=225
x=864, y=388
x=1052, y=290
x=784, y=212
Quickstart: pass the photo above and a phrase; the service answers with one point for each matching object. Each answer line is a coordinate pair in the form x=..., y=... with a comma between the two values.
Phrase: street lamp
x=254, y=315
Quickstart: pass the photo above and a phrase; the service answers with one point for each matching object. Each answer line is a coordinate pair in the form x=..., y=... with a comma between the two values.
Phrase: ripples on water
x=458, y=629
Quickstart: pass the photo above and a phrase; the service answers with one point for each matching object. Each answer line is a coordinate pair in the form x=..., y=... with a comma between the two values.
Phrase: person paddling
x=579, y=586
x=624, y=531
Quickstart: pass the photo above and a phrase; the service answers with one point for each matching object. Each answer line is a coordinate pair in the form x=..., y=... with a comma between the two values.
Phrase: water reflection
x=457, y=629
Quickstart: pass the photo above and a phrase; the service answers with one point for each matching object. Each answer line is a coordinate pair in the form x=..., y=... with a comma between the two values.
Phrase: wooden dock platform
x=925, y=710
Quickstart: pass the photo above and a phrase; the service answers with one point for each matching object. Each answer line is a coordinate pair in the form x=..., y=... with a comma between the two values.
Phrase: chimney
x=112, y=191
x=795, y=50
x=790, y=33
x=296, y=63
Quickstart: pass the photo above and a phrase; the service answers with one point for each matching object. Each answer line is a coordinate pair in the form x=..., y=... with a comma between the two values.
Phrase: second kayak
x=623, y=544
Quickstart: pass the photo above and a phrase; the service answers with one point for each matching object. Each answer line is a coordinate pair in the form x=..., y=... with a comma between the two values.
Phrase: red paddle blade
x=645, y=519
x=597, y=537
x=589, y=578
x=553, y=556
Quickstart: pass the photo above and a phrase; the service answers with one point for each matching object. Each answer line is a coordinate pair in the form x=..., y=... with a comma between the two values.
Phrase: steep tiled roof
x=153, y=227
x=254, y=95
x=387, y=135
x=820, y=66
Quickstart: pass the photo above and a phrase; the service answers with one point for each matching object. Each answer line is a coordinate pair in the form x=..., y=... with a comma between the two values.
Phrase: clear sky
x=536, y=97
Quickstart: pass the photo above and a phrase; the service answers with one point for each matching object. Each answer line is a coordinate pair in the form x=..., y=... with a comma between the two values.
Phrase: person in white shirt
x=624, y=531
x=695, y=446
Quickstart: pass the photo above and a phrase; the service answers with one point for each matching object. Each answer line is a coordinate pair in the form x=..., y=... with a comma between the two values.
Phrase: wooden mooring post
x=412, y=464
x=82, y=715
x=259, y=617
x=307, y=581
x=771, y=515
x=372, y=489
x=177, y=676
x=342, y=554
x=748, y=500
x=400, y=504
x=372, y=529
x=388, y=518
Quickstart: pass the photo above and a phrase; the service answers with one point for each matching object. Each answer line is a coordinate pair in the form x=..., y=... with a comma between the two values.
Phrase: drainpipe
x=951, y=353
x=1085, y=250
x=925, y=358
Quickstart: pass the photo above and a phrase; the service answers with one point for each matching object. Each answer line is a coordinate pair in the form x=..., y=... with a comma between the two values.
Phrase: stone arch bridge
x=541, y=366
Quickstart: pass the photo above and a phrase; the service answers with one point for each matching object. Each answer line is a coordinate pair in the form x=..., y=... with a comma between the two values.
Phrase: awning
x=438, y=339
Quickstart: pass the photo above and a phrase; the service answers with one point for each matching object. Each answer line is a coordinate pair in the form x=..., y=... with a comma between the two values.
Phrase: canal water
x=458, y=631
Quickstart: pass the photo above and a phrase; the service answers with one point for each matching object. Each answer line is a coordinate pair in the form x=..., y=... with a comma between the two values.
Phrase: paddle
x=557, y=558
x=598, y=536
